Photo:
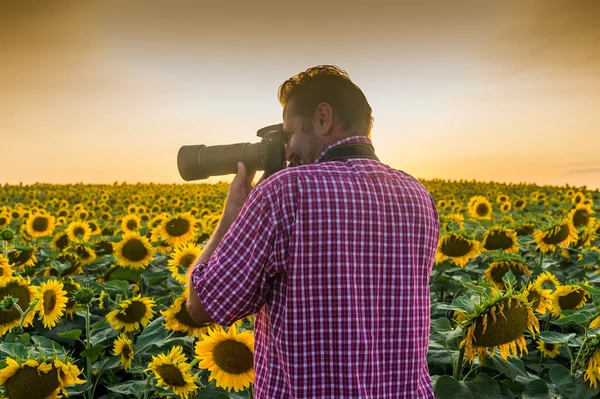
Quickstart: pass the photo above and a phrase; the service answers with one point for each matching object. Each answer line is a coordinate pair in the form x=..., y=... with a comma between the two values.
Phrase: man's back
x=347, y=315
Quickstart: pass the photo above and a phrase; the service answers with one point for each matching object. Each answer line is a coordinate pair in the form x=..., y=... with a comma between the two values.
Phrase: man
x=333, y=256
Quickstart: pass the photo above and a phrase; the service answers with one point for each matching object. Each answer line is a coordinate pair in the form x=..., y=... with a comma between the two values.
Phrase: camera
x=197, y=162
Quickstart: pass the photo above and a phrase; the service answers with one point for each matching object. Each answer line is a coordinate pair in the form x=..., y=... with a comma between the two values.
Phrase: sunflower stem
x=250, y=393
x=194, y=362
x=470, y=371
x=459, y=364
x=87, y=346
x=585, y=337
x=24, y=314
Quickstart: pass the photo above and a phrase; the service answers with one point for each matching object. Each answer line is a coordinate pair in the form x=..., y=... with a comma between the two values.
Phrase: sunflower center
x=20, y=257
x=501, y=268
x=49, y=301
x=171, y=375
x=132, y=224
x=62, y=241
x=557, y=236
x=127, y=352
x=571, y=300
x=40, y=224
x=134, y=312
x=456, y=246
x=534, y=298
x=28, y=383
x=518, y=203
x=184, y=317
x=482, y=209
x=177, y=227
x=233, y=357
x=506, y=328
x=17, y=292
x=187, y=260
x=550, y=347
x=134, y=250
x=78, y=231
x=3, y=220
x=581, y=218
x=498, y=240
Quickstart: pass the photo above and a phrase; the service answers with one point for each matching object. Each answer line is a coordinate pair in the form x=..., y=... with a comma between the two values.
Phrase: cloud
x=588, y=171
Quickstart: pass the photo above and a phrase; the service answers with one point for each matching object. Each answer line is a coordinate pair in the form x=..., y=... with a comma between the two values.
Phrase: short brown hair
x=332, y=85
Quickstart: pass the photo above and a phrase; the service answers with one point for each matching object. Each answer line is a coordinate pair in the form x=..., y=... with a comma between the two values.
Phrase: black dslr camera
x=197, y=162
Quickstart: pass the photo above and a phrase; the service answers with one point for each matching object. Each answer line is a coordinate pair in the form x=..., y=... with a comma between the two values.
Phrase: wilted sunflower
x=22, y=256
x=561, y=234
x=173, y=372
x=499, y=324
x=33, y=379
x=134, y=251
x=568, y=297
x=480, y=208
x=19, y=288
x=40, y=225
x=500, y=238
x=178, y=318
x=181, y=259
x=497, y=269
x=130, y=223
x=6, y=272
x=458, y=247
x=60, y=242
x=550, y=350
x=52, y=302
x=540, y=299
x=580, y=216
x=78, y=231
x=228, y=356
x=130, y=314
x=178, y=229
x=124, y=347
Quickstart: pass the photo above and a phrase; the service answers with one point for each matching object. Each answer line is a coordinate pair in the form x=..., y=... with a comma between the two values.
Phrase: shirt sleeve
x=234, y=282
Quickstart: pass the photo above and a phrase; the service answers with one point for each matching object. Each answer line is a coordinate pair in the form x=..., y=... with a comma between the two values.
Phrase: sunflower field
x=93, y=301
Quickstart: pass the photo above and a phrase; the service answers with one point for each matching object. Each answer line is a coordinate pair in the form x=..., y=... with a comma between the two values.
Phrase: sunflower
x=505, y=207
x=52, y=302
x=480, y=208
x=71, y=286
x=6, y=272
x=131, y=313
x=22, y=256
x=173, y=372
x=520, y=204
x=59, y=242
x=496, y=270
x=442, y=204
x=500, y=238
x=40, y=225
x=181, y=259
x=178, y=229
x=580, y=216
x=524, y=229
x=592, y=372
x=502, y=198
x=499, y=325
x=78, y=231
x=131, y=223
x=456, y=218
x=178, y=318
x=568, y=297
x=540, y=299
x=577, y=198
x=4, y=219
x=458, y=247
x=550, y=350
x=31, y=379
x=585, y=236
x=546, y=279
x=134, y=251
x=595, y=323
x=19, y=288
x=562, y=234
x=228, y=356
x=124, y=347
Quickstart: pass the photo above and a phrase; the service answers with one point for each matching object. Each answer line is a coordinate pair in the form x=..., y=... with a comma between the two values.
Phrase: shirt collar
x=345, y=140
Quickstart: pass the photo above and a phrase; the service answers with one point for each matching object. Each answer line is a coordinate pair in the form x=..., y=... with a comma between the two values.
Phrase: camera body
x=196, y=162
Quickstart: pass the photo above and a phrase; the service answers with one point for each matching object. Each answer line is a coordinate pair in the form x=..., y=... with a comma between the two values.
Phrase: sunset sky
x=108, y=91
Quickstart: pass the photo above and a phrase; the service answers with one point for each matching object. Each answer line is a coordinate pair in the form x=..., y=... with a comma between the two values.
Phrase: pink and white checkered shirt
x=334, y=258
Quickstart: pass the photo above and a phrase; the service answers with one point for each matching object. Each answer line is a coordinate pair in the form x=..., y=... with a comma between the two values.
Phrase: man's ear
x=323, y=119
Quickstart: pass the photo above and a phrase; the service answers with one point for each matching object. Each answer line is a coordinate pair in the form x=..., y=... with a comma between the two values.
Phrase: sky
x=98, y=92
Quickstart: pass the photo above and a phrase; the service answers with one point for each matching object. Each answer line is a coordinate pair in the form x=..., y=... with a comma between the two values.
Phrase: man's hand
x=238, y=192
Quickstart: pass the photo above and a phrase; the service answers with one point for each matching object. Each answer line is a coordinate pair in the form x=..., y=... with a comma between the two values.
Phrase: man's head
x=321, y=106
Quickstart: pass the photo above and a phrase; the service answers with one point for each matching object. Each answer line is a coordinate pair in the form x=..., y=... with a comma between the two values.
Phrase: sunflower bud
x=8, y=303
x=17, y=330
x=7, y=235
x=84, y=295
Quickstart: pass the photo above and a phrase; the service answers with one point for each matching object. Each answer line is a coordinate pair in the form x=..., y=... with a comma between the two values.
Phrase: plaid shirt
x=334, y=258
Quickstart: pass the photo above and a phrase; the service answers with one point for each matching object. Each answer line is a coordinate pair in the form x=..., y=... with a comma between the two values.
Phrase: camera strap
x=351, y=150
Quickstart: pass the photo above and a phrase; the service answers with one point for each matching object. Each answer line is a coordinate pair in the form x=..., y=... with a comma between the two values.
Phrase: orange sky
x=104, y=92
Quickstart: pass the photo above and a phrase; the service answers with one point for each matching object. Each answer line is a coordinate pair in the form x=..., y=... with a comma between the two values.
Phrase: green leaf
x=93, y=351
x=473, y=287
x=73, y=334
x=60, y=267
x=135, y=387
x=117, y=285
x=213, y=393
x=552, y=337
x=108, y=363
x=24, y=338
x=509, y=279
x=46, y=345
x=536, y=389
x=125, y=273
x=10, y=337
x=153, y=334
x=14, y=349
x=79, y=389
x=576, y=318
x=513, y=368
x=482, y=386
x=570, y=386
